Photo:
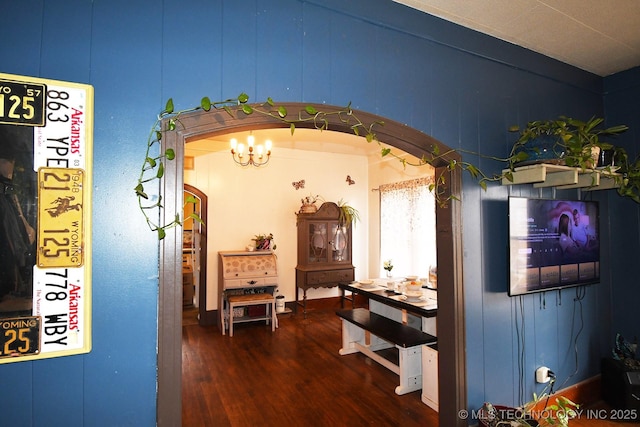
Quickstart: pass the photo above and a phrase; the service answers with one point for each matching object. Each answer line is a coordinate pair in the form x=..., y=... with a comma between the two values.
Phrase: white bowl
x=412, y=278
x=413, y=286
x=366, y=282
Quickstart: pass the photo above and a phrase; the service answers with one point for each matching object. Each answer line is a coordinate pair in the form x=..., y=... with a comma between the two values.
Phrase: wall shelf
x=562, y=177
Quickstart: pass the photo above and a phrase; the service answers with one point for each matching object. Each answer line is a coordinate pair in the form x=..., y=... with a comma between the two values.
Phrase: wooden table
x=426, y=309
x=393, y=332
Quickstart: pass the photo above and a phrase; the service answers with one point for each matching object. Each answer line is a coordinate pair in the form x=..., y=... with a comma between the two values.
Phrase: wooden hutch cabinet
x=324, y=251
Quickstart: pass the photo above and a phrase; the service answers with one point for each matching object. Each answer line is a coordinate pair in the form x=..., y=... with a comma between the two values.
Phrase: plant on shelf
x=263, y=242
x=628, y=175
x=565, y=140
x=348, y=214
x=309, y=204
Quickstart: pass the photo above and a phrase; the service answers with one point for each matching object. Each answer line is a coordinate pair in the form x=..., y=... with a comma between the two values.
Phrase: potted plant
x=628, y=175
x=348, y=214
x=263, y=242
x=309, y=204
x=567, y=141
x=535, y=413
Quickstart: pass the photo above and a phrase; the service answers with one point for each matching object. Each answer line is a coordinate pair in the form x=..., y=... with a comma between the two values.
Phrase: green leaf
x=169, y=106
x=483, y=185
x=172, y=124
x=270, y=102
x=520, y=157
x=282, y=111
x=140, y=191
x=160, y=172
x=205, y=103
x=170, y=154
x=310, y=110
x=292, y=126
x=152, y=162
x=161, y=233
x=370, y=137
x=196, y=217
x=191, y=199
x=385, y=151
x=158, y=135
x=243, y=98
x=247, y=109
x=228, y=110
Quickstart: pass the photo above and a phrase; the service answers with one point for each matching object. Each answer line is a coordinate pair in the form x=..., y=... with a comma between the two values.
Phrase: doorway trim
x=451, y=331
x=202, y=268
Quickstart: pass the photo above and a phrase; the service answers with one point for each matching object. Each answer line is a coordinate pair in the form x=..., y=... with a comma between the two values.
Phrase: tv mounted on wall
x=553, y=244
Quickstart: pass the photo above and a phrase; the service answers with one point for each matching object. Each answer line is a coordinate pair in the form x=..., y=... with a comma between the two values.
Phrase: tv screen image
x=552, y=244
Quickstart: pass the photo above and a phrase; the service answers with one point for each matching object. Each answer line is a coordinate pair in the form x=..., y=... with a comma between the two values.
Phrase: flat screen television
x=553, y=244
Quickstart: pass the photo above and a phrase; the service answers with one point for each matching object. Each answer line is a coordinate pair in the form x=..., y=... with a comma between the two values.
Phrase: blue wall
x=622, y=92
x=462, y=87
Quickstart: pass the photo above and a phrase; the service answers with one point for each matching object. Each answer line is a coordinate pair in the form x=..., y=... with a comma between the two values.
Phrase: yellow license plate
x=60, y=217
x=19, y=336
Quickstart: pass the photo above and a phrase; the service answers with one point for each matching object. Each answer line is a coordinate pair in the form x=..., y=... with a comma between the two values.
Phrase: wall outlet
x=542, y=375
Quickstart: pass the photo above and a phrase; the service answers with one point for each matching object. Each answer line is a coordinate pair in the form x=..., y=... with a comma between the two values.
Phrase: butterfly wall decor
x=298, y=184
x=349, y=180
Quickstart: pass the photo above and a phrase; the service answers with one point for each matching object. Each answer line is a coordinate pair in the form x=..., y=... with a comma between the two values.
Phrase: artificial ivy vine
x=153, y=167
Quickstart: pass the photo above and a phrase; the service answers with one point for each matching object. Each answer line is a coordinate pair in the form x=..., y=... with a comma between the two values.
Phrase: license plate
x=19, y=336
x=60, y=217
x=22, y=103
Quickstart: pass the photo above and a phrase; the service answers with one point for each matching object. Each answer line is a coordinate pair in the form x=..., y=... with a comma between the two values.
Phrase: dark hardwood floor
x=293, y=376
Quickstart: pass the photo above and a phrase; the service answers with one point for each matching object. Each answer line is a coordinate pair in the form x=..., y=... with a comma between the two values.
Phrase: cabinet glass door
x=340, y=242
x=318, y=242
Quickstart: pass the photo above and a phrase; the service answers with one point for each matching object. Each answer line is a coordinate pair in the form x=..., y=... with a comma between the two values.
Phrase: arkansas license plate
x=60, y=217
x=19, y=336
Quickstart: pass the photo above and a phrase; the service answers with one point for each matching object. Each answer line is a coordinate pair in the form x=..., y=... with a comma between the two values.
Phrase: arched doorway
x=199, y=248
x=451, y=341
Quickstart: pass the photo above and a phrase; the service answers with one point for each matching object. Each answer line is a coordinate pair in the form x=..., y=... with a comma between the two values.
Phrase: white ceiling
x=600, y=36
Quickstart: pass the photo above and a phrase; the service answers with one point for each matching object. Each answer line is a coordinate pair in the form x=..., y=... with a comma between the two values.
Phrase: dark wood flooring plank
x=293, y=376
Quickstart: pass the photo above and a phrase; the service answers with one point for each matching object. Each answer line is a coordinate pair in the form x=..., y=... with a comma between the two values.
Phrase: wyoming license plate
x=19, y=336
x=60, y=217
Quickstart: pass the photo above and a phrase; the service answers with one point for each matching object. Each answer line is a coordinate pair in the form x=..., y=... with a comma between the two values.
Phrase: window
x=408, y=227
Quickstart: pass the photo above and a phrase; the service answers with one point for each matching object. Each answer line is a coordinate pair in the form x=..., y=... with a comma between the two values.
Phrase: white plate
x=413, y=294
x=412, y=298
x=366, y=283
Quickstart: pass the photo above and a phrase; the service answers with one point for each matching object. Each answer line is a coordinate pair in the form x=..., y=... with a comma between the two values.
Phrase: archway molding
x=450, y=320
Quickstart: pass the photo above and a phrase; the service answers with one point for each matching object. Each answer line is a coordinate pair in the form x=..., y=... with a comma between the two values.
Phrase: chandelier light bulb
x=238, y=151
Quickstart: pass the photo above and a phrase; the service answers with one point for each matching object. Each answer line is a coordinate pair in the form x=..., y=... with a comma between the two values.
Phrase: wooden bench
x=252, y=299
x=395, y=346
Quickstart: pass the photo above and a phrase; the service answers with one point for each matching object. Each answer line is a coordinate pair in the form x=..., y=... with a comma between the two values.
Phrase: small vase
x=389, y=275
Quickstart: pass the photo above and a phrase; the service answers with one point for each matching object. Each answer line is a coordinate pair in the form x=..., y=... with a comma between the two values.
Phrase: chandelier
x=256, y=153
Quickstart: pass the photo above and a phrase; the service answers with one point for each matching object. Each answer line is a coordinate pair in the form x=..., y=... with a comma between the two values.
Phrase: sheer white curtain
x=408, y=227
